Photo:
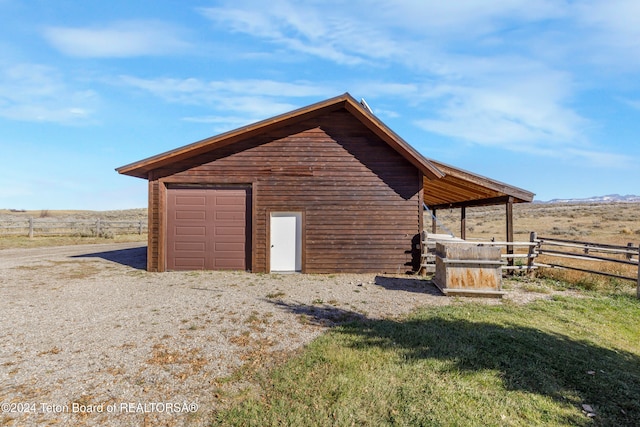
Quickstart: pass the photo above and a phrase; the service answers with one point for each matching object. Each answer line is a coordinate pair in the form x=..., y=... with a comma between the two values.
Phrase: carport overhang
x=462, y=189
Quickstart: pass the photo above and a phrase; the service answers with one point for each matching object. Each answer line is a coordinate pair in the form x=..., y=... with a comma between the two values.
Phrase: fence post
x=532, y=252
x=630, y=246
x=140, y=227
x=98, y=231
x=30, y=227
x=509, y=220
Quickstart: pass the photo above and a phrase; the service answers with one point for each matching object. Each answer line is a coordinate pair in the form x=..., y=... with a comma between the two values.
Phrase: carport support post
x=463, y=223
x=510, y=229
x=434, y=223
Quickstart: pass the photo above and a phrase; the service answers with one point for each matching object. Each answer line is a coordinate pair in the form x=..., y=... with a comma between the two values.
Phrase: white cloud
x=120, y=39
x=603, y=159
x=412, y=34
x=386, y=114
x=505, y=112
x=254, y=99
x=462, y=19
x=319, y=30
x=378, y=89
x=364, y=31
x=494, y=73
x=488, y=96
x=220, y=123
x=525, y=117
x=633, y=103
x=32, y=92
x=507, y=102
x=215, y=119
x=613, y=30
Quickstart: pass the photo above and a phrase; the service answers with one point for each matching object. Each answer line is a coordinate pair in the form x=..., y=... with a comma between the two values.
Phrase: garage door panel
x=190, y=231
x=191, y=200
x=230, y=208
x=229, y=265
x=190, y=215
x=231, y=200
x=230, y=231
x=229, y=247
x=207, y=229
x=229, y=256
x=190, y=246
x=189, y=263
x=230, y=216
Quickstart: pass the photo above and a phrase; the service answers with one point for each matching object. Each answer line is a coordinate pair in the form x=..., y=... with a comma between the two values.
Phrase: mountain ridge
x=609, y=198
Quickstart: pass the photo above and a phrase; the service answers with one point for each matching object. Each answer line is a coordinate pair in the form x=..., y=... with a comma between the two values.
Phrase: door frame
x=303, y=245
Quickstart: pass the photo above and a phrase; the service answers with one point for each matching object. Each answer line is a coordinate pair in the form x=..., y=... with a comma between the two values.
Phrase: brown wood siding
x=153, y=226
x=361, y=199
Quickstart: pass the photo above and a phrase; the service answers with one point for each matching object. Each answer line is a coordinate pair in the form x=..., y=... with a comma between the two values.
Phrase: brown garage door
x=207, y=229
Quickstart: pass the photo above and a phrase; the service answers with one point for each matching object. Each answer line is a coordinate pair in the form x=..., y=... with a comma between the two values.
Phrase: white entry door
x=286, y=241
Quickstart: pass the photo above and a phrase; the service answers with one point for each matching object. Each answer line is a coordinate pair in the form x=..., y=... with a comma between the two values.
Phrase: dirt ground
x=90, y=338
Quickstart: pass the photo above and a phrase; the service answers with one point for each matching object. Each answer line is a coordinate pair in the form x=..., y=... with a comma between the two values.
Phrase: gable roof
x=444, y=185
x=142, y=168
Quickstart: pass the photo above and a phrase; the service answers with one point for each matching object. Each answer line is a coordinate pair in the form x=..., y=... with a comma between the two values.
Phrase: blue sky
x=543, y=95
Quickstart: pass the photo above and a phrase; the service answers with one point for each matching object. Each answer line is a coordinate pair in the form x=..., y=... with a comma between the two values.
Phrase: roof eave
x=520, y=195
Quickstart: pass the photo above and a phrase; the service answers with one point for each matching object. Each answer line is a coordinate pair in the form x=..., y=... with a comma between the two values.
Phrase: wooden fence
x=523, y=255
x=32, y=227
x=589, y=251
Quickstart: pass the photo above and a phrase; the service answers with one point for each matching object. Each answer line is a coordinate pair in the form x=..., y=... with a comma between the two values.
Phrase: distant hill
x=610, y=198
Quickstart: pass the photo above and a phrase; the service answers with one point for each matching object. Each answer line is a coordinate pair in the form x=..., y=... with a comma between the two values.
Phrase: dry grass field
x=8, y=218
x=615, y=223
x=116, y=215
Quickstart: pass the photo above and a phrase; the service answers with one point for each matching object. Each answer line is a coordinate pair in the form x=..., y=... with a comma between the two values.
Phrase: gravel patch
x=90, y=338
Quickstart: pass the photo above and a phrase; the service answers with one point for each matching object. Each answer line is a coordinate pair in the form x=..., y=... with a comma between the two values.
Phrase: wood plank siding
x=153, y=244
x=361, y=199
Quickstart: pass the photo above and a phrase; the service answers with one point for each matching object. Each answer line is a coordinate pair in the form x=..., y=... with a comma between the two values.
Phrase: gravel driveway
x=90, y=338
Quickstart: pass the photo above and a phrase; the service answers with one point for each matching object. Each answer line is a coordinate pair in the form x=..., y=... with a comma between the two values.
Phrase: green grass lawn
x=467, y=364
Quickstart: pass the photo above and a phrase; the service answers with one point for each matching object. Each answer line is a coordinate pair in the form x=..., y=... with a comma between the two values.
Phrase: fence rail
x=573, y=249
x=32, y=227
x=430, y=240
x=511, y=256
x=553, y=248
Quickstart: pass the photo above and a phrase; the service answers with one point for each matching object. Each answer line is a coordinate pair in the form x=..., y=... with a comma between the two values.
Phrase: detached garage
x=326, y=188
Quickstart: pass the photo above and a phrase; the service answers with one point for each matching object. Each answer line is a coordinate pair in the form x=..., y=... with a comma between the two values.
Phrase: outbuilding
x=322, y=189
